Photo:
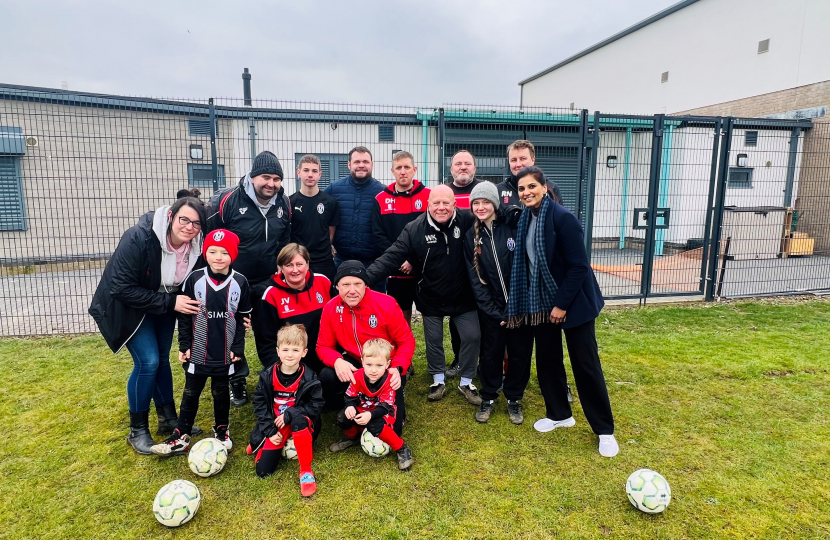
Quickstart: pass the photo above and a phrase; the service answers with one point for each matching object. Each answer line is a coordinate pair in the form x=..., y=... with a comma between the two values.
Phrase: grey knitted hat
x=485, y=190
x=266, y=163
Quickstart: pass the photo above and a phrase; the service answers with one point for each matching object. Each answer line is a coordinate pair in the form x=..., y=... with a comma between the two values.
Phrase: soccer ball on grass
x=648, y=491
x=289, y=451
x=372, y=445
x=176, y=503
x=207, y=457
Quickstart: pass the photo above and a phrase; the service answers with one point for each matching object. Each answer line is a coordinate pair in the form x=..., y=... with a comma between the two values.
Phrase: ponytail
x=476, y=249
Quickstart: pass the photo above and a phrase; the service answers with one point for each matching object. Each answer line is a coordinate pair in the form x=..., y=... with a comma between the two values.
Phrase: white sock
x=465, y=381
x=438, y=378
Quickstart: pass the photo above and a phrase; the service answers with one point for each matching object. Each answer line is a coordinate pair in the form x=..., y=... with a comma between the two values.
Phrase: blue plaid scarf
x=531, y=305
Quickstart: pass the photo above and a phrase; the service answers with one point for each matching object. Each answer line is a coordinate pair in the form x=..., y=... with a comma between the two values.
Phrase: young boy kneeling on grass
x=370, y=403
x=287, y=404
x=211, y=340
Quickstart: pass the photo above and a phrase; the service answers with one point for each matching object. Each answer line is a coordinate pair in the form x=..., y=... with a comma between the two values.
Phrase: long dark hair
x=192, y=200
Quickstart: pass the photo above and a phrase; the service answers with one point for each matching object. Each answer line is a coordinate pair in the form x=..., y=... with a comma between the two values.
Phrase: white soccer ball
x=207, y=457
x=289, y=451
x=372, y=445
x=176, y=503
x=648, y=491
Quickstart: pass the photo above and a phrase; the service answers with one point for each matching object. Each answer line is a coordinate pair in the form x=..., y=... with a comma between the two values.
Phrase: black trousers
x=334, y=391
x=193, y=386
x=587, y=370
x=269, y=458
x=494, y=339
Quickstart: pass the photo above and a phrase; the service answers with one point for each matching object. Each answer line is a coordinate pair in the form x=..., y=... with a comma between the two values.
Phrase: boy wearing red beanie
x=211, y=340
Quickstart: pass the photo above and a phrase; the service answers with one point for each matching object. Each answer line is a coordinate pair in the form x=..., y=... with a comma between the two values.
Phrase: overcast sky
x=407, y=52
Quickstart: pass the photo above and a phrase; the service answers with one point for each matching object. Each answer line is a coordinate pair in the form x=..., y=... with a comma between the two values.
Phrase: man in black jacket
x=521, y=154
x=258, y=211
x=433, y=243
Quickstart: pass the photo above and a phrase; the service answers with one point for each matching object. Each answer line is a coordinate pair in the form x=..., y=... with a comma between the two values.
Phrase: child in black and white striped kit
x=211, y=340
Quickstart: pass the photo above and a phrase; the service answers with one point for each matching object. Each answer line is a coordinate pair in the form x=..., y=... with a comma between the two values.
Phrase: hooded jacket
x=262, y=233
x=394, y=210
x=495, y=247
x=138, y=279
x=281, y=305
x=353, y=238
x=436, y=252
x=308, y=402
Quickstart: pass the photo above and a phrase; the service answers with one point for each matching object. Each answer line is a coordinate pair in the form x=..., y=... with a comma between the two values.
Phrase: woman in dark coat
x=553, y=290
x=135, y=306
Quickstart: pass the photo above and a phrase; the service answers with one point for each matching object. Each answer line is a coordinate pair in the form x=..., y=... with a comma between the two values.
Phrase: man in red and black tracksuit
x=282, y=305
x=258, y=211
x=395, y=206
x=349, y=320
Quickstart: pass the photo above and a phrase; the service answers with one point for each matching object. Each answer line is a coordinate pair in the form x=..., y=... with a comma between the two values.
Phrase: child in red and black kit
x=287, y=404
x=370, y=401
x=211, y=340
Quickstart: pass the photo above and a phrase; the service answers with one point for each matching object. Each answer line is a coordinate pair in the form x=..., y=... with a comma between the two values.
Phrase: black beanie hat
x=266, y=163
x=351, y=268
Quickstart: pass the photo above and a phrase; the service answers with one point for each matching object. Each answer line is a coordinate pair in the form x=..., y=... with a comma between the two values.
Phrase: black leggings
x=375, y=425
x=270, y=458
x=193, y=386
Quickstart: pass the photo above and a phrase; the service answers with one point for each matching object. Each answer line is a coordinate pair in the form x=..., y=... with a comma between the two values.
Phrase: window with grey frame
x=199, y=175
x=739, y=177
x=12, y=205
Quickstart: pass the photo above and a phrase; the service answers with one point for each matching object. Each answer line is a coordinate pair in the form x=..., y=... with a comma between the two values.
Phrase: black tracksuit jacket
x=436, y=252
x=260, y=237
x=509, y=192
x=495, y=262
x=308, y=402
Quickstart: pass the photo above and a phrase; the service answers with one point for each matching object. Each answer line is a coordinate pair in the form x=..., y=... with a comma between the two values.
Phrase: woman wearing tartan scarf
x=553, y=290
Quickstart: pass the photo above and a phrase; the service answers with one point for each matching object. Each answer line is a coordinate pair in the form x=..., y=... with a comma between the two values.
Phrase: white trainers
x=608, y=446
x=543, y=425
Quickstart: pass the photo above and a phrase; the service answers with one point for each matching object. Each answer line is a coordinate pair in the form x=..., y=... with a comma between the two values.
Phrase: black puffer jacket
x=260, y=237
x=495, y=261
x=308, y=402
x=509, y=192
x=129, y=285
x=436, y=253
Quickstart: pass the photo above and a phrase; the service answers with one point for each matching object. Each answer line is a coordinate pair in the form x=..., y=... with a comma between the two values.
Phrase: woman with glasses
x=135, y=306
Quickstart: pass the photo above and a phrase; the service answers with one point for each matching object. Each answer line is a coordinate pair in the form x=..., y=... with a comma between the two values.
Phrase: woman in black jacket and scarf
x=488, y=250
x=553, y=290
x=135, y=305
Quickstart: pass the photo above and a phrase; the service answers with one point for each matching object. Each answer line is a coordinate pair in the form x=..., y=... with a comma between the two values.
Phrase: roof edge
x=619, y=35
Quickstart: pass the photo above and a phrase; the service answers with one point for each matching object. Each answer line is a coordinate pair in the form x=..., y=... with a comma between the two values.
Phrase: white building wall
x=286, y=139
x=709, y=48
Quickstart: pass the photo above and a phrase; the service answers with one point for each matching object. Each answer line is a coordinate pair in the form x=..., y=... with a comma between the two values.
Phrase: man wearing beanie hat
x=212, y=341
x=258, y=212
x=349, y=320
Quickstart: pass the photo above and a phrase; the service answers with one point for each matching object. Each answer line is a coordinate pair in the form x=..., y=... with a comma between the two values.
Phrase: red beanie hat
x=224, y=239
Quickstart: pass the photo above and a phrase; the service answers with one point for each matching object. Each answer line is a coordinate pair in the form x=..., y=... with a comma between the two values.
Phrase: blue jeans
x=380, y=286
x=150, y=349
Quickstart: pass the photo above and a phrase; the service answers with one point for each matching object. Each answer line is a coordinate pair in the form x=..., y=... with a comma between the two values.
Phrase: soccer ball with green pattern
x=176, y=503
x=207, y=457
x=648, y=491
x=372, y=445
x=288, y=450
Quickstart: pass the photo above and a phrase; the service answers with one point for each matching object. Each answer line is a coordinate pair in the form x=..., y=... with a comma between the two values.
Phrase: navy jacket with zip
x=260, y=237
x=495, y=260
x=354, y=238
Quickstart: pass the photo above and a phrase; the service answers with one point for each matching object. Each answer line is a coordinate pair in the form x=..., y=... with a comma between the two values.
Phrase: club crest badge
x=243, y=210
x=506, y=200
x=218, y=236
x=456, y=232
x=373, y=321
x=511, y=244
x=319, y=298
x=234, y=296
x=279, y=212
x=419, y=204
x=321, y=208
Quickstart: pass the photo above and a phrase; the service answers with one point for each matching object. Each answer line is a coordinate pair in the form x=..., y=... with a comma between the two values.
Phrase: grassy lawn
x=729, y=402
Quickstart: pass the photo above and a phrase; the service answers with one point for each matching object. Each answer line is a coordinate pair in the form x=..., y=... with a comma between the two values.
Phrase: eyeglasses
x=184, y=222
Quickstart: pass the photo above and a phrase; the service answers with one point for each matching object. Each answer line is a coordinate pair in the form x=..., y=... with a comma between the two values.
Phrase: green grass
x=728, y=401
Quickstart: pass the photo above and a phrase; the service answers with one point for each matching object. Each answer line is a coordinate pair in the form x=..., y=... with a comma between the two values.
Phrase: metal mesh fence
x=656, y=194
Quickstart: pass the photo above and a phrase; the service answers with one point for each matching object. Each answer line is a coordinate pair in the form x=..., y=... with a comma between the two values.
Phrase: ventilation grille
x=198, y=128
x=386, y=133
x=31, y=141
x=763, y=46
x=664, y=77
x=751, y=138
